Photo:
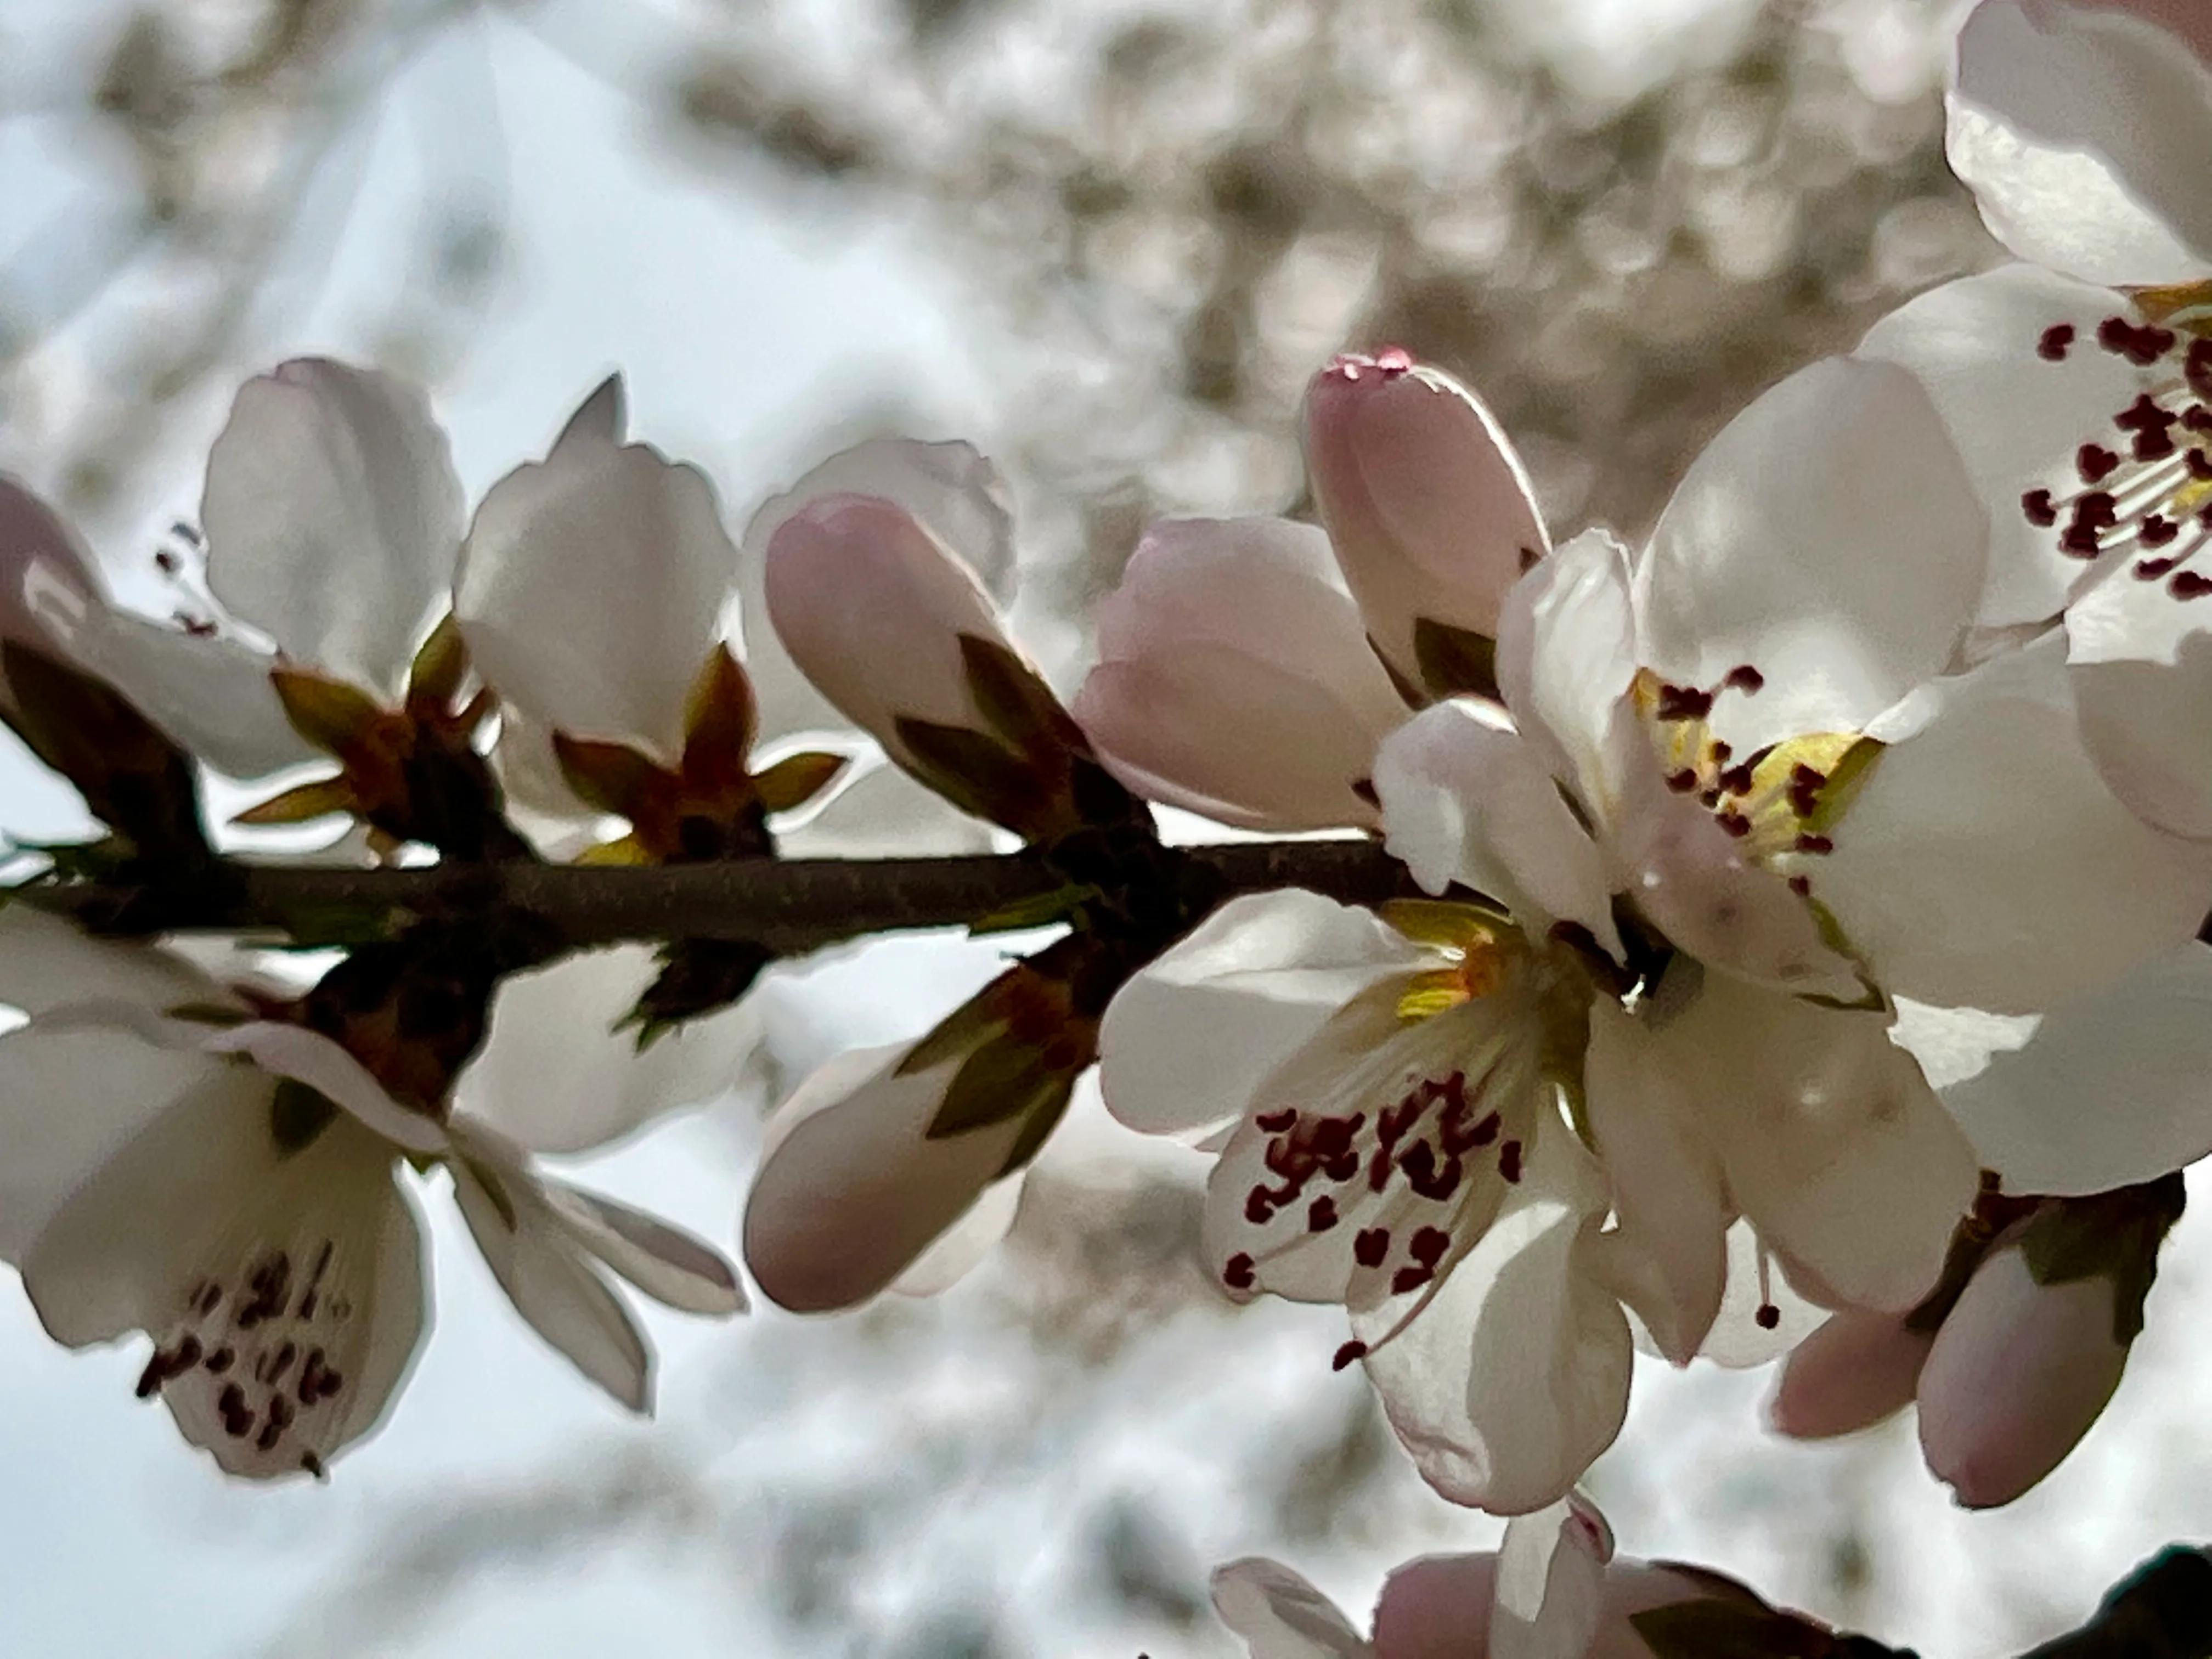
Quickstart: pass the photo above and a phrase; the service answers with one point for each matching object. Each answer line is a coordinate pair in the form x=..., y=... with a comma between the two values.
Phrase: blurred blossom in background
x=1109, y=242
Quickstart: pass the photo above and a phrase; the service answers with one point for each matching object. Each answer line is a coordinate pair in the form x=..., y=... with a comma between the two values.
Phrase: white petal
x=1279, y=1615
x=1829, y=537
x=551, y=1281
x=2114, y=1088
x=41, y=557
x=2079, y=129
x=962, y=1247
x=309, y=1057
x=1515, y=1377
x=667, y=1263
x=1668, y=1257
x=948, y=486
x=556, y=1073
x=1550, y=1583
x=1566, y=654
x=48, y=961
x=255, y=1265
x=1186, y=1044
x=593, y=584
x=1854, y=1370
x=1985, y=864
x=334, y=517
x=69, y=1101
x=1426, y=501
x=850, y=1191
x=1464, y=801
x=2016, y=417
x=1833, y=1145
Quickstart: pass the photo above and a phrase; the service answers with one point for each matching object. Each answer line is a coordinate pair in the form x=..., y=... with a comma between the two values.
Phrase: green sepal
x=1015, y=701
x=2115, y=1234
x=976, y=773
x=298, y=1115
x=1044, y=1117
x=1001, y=1080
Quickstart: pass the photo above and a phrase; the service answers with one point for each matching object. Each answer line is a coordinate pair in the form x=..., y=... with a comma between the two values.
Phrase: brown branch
x=789, y=906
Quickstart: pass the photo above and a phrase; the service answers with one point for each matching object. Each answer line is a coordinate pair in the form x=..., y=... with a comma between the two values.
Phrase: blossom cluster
x=1795, y=956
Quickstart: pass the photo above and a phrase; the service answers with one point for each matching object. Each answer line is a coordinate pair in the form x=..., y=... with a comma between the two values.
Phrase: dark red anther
x=1683, y=781
x=2041, y=510
x=152, y=1377
x=1745, y=678
x=1735, y=822
x=1409, y=1279
x=1802, y=885
x=2095, y=462
x=2157, y=532
x=1276, y=1122
x=1371, y=1247
x=1237, y=1272
x=1806, y=783
x=2092, y=512
x=1768, y=1316
x=2052, y=345
x=2189, y=585
x=2150, y=570
x=1509, y=1161
x=1739, y=780
x=2152, y=425
x=1428, y=1246
x=220, y=1361
x=210, y=1298
x=2196, y=367
x=2200, y=467
x=1347, y=1354
x=2141, y=346
x=1321, y=1215
x=1485, y=1132
x=1683, y=702
x=1815, y=844
x=1257, y=1209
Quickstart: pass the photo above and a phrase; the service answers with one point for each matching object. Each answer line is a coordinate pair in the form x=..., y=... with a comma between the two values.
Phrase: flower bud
x=2020, y=1370
x=901, y=636
x=1857, y=1369
x=1428, y=511
x=1234, y=679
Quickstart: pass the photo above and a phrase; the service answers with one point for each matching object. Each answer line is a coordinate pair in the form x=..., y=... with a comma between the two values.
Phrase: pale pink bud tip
x=1387, y=363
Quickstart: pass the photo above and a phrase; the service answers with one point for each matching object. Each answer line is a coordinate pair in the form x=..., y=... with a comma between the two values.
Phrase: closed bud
x=2019, y=1371
x=1234, y=679
x=1857, y=1369
x=1428, y=511
x=898, y=634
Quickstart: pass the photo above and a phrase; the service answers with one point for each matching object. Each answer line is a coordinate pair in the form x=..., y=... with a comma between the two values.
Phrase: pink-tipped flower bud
x=2018, y=1373
x=1234, y=679
x=1857, y=1369
x=1429, y=510
x=900, y=636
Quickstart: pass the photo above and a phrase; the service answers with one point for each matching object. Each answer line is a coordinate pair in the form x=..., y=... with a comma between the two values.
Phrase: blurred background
x=1107, y=241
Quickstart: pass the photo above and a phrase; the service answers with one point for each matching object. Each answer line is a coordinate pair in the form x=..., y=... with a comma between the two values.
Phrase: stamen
x=1347, y=1354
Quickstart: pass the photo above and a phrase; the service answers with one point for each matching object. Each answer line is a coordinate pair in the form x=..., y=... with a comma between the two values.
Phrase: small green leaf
x=297, y=1115
x=2116, y=1234
x=796, y=778
x=1039, y=910
x=975, y=773
x=1456, y=661
x=1044, y=1117
x=999, y=1081
x=1015, y=701
x=967, y=1027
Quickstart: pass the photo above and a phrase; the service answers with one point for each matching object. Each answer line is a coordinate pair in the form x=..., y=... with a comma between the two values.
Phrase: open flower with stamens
x=183, y=1162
